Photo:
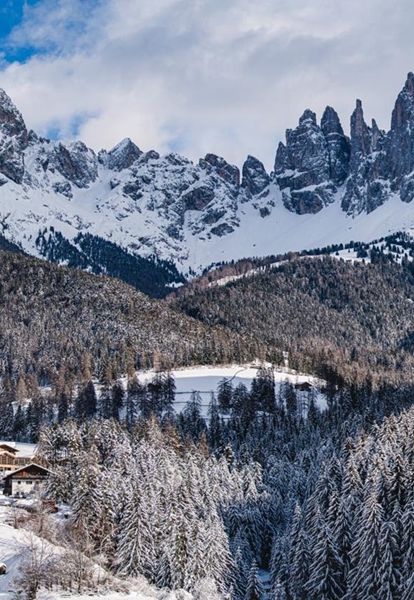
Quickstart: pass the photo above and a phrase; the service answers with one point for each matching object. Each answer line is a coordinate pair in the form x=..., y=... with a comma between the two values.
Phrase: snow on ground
x=12, y=544
x=206, y=379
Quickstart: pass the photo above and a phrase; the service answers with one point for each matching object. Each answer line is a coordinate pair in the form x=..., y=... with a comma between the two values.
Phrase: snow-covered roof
x=21, y=448
x=25, y=468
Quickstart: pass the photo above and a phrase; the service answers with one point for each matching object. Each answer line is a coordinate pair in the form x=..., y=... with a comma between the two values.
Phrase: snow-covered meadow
x=205, y=380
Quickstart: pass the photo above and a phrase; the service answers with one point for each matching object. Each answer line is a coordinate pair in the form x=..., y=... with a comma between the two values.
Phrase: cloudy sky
x=198, y=76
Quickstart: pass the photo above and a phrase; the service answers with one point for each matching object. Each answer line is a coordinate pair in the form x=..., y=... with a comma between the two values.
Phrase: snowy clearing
x=206, y=379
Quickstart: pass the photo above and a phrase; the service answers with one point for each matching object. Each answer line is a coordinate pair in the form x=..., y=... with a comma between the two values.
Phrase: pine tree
x=263, y=390
x=255, y=589
x=193, y=422
x=132, y=402
x=86, y=402
x=225, y=395
x=6, y=420
x=363, y=579
x=63, y=407
x=118, y=399
x=325, y=582
x=168, y=394
x=105, y=401
x=19, y=424
x=214, y=426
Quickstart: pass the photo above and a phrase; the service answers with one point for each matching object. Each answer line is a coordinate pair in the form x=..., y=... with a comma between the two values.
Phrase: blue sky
x=198, y=76
x=11, y=15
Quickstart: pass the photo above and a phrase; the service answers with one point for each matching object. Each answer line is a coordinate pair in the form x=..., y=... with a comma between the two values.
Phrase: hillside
x=354, y=319
x=52, y=316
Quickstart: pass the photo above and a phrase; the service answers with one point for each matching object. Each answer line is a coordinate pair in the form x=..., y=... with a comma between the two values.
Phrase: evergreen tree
x=19, y=424
x=225, y=395
x=263, y=389
x=363, y=579
x=134, y=389
x=86, y=402
x=6, y=420
x=325, y=582
x=63, y=407
x=118, y=399
x=214, y=427
x=105, y=401
x=255, y=589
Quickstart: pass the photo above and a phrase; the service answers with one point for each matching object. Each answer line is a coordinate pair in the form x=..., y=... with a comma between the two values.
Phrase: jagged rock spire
x=360, y=135
x=11, y=120
x=13, y=139
x=255, y=179
x=400, y=142
x=123, y=155
x=337, y=144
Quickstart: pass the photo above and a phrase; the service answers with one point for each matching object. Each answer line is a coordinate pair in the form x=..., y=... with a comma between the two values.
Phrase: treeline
x=133, y=400
x=151, y=276
x=345, y=322
x=381, y=249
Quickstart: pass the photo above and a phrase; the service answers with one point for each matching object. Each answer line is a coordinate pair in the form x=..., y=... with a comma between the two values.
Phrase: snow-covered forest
x=320, y=499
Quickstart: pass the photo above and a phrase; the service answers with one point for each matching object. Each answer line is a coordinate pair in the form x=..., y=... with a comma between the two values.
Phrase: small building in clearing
x=304, y=387
x=26, y=480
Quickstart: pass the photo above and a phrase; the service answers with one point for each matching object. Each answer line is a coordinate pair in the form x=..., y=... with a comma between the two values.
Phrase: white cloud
x=206, y=75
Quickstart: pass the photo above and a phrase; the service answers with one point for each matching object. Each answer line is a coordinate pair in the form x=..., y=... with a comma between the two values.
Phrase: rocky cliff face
x=318, y=163
x=302, y=167
x=13, y=140
x=167, y=205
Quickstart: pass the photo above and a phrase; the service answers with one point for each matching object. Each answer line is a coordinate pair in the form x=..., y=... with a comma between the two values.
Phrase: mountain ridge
x=326, y=188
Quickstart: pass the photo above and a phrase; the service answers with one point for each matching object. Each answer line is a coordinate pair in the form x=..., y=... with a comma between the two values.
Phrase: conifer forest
x=266, y=478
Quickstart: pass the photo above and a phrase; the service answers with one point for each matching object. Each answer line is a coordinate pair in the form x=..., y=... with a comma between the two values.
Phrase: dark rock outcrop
x=199, y=197
x=302, y=167
x=123, y=155
x=255, y=179
x=75, y=162
x=229, y=173
x=13, y=139
x=337, y=144
x=367, y=186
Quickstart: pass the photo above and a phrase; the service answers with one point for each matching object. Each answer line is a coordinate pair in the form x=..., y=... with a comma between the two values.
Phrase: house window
x=29, y=482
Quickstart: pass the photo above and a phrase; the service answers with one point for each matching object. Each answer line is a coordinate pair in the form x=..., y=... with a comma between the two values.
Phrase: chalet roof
x=21, y=448
x=31, y=466
x=8, y=448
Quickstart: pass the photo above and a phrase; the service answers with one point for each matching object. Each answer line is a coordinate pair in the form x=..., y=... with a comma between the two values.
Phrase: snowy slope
x=12, y=546
x=107, y=213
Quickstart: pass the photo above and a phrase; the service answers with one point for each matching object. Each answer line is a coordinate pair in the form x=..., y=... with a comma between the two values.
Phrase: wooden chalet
x=10, y=458
x=24, y=481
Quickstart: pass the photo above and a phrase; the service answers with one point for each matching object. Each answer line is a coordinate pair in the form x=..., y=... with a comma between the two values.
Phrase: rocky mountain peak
x=123, y=155
x=330, y=123
x=226, y=171
x=360, y=135
x=302, y=164
x=338, y=146
x=11, y=120
x=400, y=140
x=255, y=179
x=308, y=115
x=13, y=139
x=409, y=84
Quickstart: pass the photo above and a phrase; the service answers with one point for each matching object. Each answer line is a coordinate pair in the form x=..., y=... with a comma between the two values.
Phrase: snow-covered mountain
x=325, y=188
